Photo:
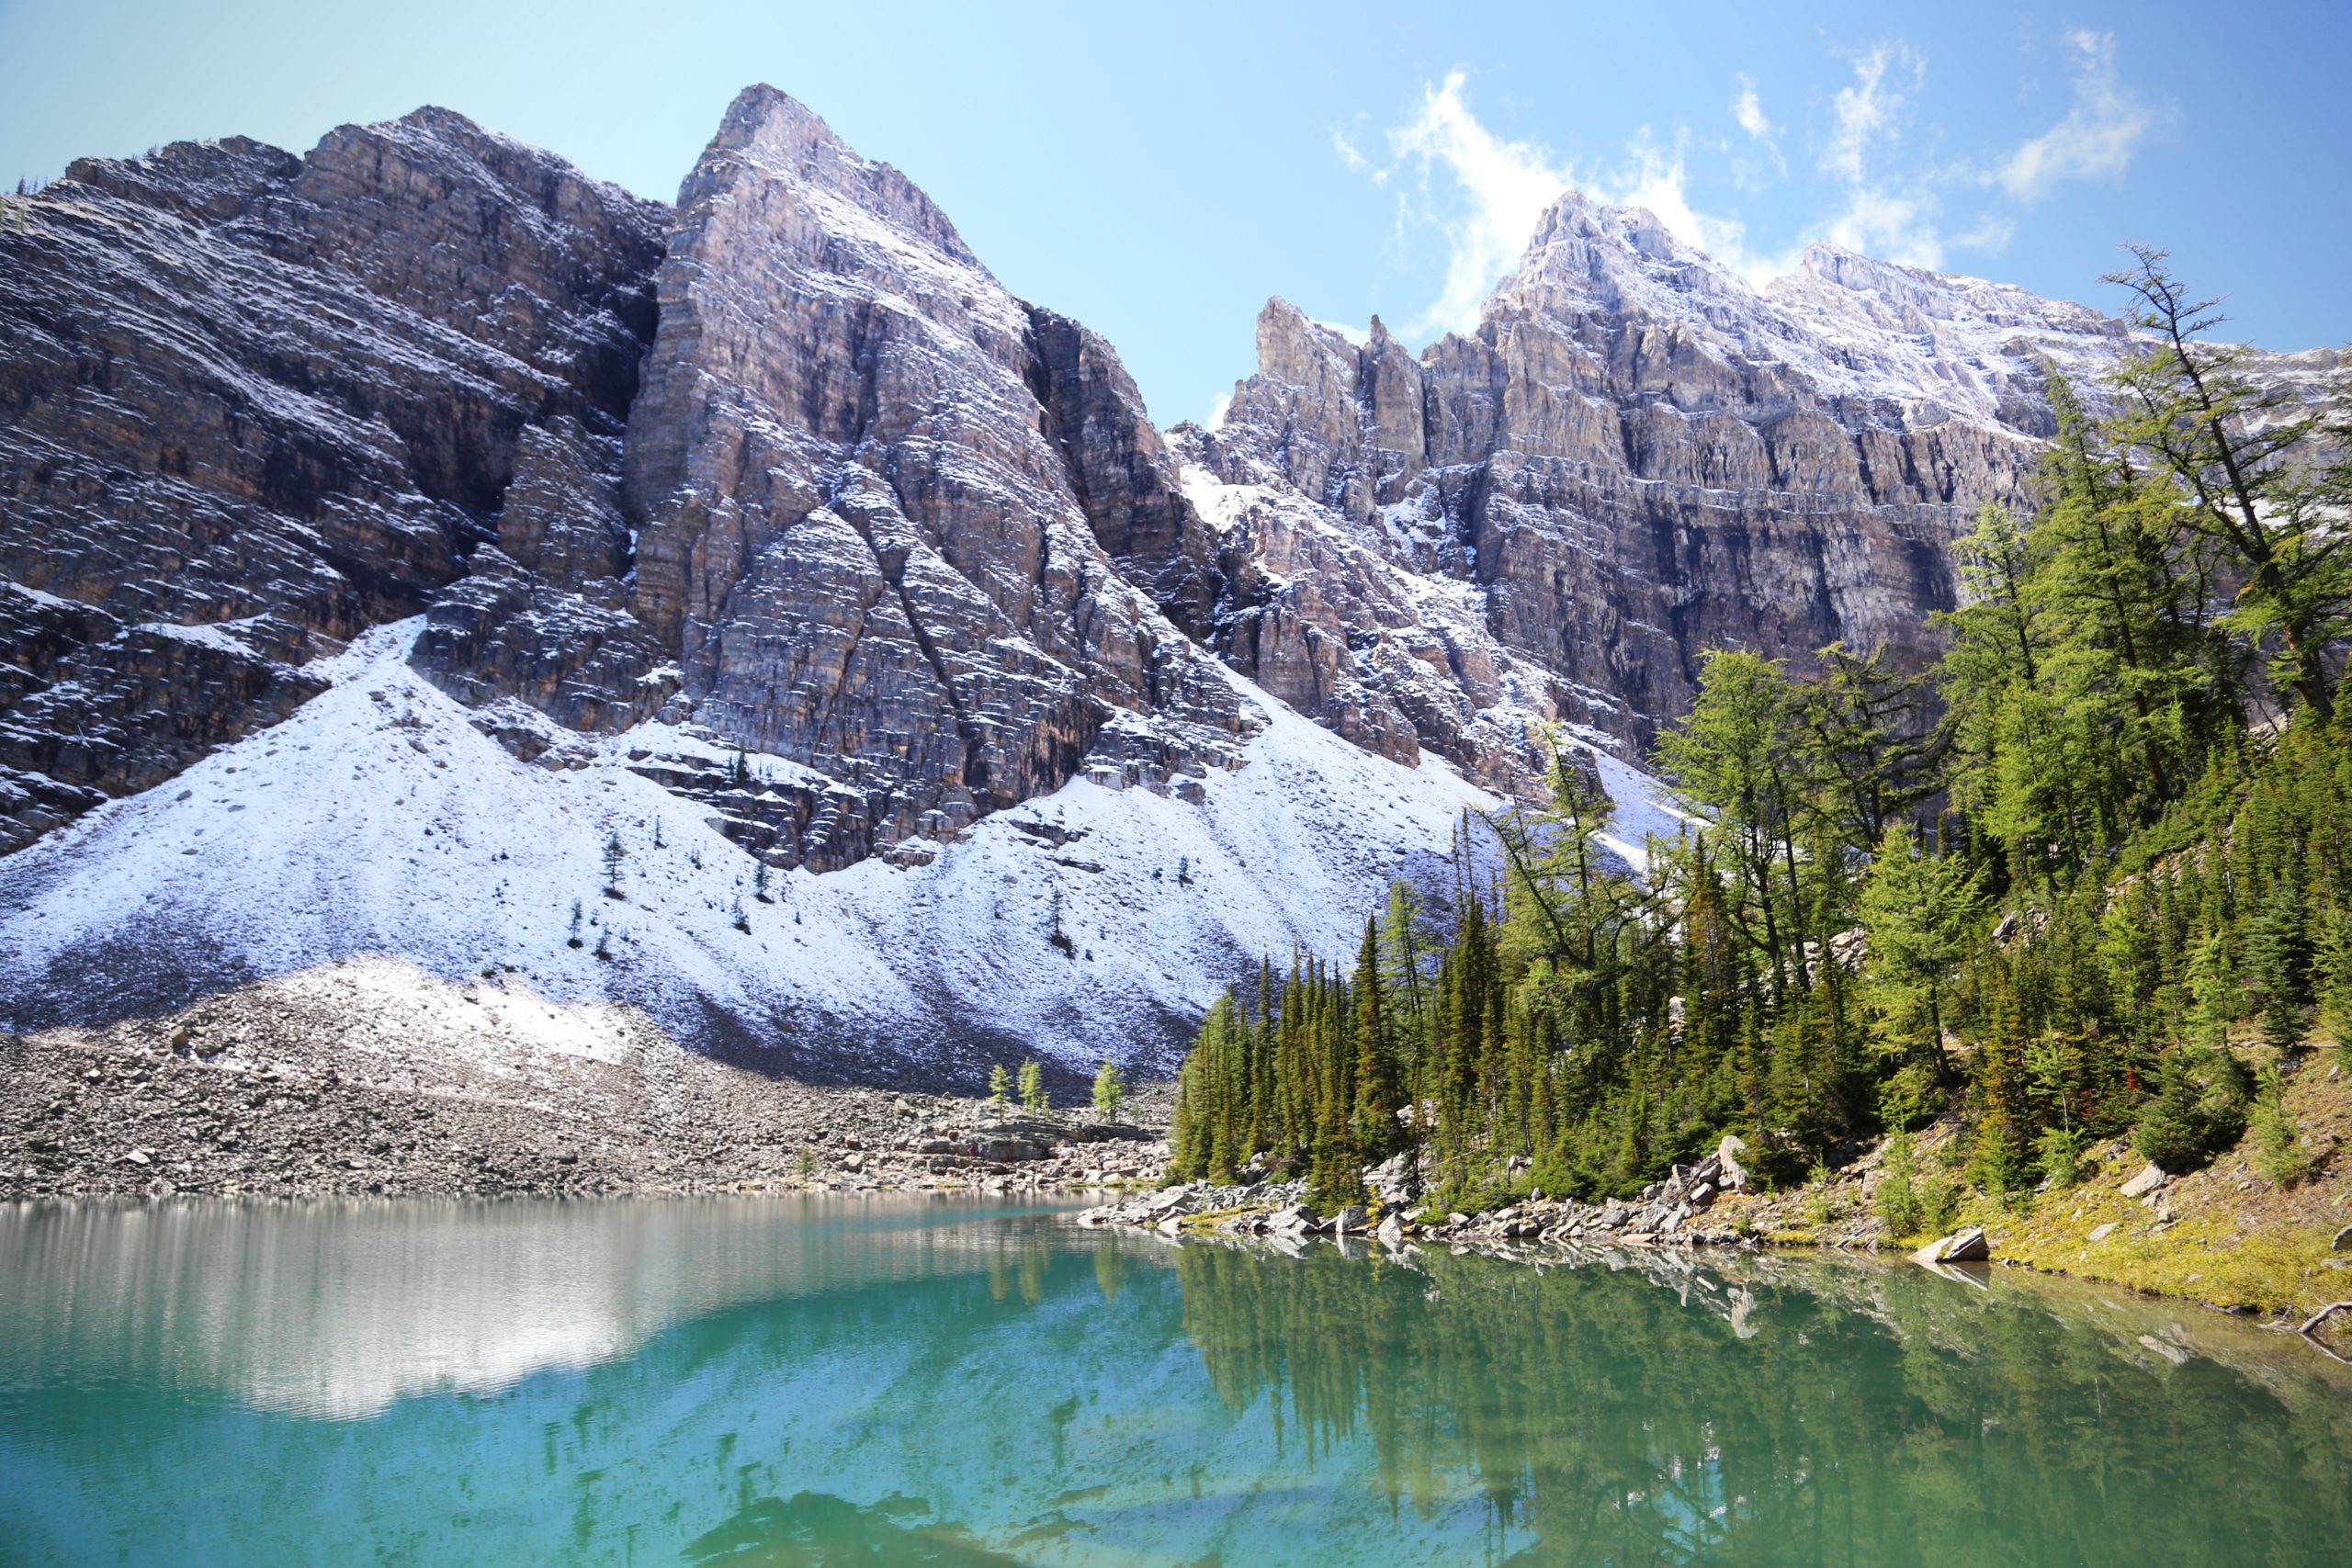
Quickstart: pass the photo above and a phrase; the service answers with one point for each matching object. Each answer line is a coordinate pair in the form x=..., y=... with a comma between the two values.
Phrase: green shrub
x=1939, y=1205
x=2278, y=1154
x=1897, y=1199
x=2059, y=1153
x=1909, y=1100
x=2196, y=1108
x=1822, y=1207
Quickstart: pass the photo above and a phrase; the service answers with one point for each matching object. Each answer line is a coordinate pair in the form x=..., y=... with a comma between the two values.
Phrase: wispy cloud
x=1656, y=178
x=1505, y=188
x=1747, y=166
x=1883, y=213
x=1870, y=108
x=1881, y=186
x=1749, y=110
x=1992, y=232
x=2097, y=138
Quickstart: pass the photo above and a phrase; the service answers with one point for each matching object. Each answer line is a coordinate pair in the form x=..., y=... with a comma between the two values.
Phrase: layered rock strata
x=251, y=404
x=786, y=467
x=884, y=505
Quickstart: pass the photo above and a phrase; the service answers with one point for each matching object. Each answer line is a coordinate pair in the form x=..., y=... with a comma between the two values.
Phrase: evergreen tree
x=2278, y=960
x=1921, y=913
x=1110, y=1091
x=2231, y=451
x=1377, y=1095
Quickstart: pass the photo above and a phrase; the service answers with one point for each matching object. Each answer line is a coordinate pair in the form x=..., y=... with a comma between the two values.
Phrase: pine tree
x=1110, y=1091
x=2227, y=446
x=1033, y=1089
x=1735, y=761
x=1377, y=1098
x=999, y=1085
x=2278, y=960
x=1921, y=913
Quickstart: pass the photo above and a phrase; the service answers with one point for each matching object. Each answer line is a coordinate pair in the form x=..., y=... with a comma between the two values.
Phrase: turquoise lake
x=908, y=1381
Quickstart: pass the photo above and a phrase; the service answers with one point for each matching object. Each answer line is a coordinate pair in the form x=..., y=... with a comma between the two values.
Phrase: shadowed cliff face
x=871, y=514
x=251, y=404
x=862, y=534
x=886, y=513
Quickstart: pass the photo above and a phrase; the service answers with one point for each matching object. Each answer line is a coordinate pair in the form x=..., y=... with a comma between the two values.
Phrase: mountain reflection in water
x=747, y=1383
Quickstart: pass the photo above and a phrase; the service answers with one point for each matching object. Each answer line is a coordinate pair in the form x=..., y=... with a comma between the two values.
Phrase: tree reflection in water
x=1822, y=1414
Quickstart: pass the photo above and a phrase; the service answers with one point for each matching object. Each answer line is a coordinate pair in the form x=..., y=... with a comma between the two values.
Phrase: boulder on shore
x=1965, y=1246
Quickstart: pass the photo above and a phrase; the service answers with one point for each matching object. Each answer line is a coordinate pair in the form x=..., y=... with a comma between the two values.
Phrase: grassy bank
x=2226, y=1234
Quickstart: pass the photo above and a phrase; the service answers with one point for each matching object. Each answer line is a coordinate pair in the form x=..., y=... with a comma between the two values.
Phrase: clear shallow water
x=828, y=1381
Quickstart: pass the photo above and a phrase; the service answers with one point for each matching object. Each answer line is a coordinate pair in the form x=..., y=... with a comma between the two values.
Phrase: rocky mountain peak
x=202, y=181
x=777, y=141
x=1296, y=349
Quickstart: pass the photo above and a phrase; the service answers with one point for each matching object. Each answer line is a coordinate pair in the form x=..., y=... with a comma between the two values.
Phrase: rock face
x=886, y=513
x=252, y=404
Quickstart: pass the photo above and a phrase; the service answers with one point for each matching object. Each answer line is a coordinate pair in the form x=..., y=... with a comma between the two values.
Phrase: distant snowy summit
x=1637, y=455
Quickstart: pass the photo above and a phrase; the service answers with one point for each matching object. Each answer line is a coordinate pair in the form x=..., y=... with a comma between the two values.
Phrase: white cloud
x=1888, y=225
x=1355, y=161
x=1505, y=185
x=1893, y=222
x=1218, y=410
x=2097, y=138
x=1655, y=179
x=1869, y=109
x=1749, y=109
x=1881, y=185
x=1992, y=232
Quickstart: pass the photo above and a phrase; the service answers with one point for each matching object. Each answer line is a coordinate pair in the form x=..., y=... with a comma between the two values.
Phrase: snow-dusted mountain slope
x=378, y=820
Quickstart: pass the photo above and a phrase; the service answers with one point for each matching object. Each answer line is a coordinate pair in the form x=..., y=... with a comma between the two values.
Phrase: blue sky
x=1157, y=172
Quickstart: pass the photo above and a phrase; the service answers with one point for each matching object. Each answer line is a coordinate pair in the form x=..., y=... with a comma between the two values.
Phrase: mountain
x=393, y=531
x=747, y=611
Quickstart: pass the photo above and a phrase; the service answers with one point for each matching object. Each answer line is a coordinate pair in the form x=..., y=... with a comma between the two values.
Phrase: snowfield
x=378, y=822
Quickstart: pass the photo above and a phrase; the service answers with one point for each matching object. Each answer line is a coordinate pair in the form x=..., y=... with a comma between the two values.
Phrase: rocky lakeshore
x=1671, y=1213
x=2221, y=1238
x=367, y=1080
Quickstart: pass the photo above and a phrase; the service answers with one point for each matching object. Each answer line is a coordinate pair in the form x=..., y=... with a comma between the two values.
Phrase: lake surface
x=903, y=1381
